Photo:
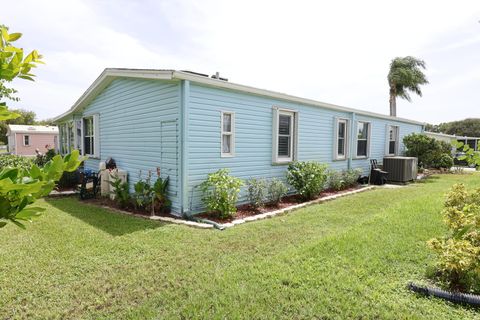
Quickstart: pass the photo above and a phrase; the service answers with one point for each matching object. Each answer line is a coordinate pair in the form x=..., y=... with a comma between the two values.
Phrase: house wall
x=37, y=141
x=253, y=136
x=138, y=127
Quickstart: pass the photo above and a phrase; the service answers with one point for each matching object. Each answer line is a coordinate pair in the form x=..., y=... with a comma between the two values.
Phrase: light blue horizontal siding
x=253, y=136
x=131, y=117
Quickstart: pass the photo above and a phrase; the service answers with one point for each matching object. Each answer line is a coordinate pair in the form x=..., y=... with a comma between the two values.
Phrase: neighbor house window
x=89, y=136
x=26, y=141
x=284, y=139
x=392, y=140
x=341, y=139
x=228, y=134
x=363, y=132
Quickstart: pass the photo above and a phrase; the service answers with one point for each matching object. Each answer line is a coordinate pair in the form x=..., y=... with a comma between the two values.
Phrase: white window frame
x=25, y=144
x=397, y=138
x=293, y=135
x=231, y=134
x=346, y=144
x=63, y=138
x=96, y=136
x=369, y=135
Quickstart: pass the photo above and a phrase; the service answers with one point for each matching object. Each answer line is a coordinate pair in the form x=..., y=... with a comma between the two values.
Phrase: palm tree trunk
x=393, y=102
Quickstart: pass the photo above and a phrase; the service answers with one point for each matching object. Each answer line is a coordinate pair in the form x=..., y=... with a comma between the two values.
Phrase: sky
x=332, y=51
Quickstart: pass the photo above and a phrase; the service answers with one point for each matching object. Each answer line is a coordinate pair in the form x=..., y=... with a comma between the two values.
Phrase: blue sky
x=332, y=51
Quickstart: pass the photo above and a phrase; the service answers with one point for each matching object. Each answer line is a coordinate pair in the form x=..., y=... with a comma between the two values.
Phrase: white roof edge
x=110, y=73
x=451, y=135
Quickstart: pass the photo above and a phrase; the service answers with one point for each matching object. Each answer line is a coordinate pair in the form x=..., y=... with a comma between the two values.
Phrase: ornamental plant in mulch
x=457, y=264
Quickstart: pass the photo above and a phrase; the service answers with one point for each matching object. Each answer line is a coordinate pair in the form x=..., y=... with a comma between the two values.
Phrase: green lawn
x=348, y=258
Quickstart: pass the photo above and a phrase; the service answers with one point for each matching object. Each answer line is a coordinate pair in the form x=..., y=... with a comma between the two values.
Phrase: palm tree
x=405, y=76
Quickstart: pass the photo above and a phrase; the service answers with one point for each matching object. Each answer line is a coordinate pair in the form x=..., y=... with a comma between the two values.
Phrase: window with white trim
x=63, y=139
x=88, y=136
x=341, y=139
x=363, y=132
x=228, y=134
x=78, y=135
x=26, y=140
x=392, y=140
x=285, y=139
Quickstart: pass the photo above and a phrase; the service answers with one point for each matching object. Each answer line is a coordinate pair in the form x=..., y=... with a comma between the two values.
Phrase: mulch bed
x=107, y=202
x=246, y=210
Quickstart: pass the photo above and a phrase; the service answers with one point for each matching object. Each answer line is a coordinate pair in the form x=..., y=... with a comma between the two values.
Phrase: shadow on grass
x=114, y=223
x=430, y=179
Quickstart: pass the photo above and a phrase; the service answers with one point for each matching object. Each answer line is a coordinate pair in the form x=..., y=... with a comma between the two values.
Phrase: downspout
x=352, y=137
x=185, y=96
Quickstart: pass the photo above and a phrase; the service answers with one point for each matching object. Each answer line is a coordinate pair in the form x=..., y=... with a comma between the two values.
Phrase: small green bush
x=307, y=177
x=445, y=161
x=14, y=161
x=256, y=192
x=121, y=191
x=42, y=159
x=276, y=191
x=458, y=253
x=339, y=180
x=220, y=193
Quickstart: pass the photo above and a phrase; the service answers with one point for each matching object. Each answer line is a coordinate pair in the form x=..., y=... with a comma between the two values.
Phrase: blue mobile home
x=189, y=125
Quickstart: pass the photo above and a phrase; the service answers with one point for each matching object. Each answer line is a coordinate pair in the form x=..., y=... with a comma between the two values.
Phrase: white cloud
x=333, y=51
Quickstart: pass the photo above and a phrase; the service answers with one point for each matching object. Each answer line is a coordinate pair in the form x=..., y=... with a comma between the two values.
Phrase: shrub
x=428, y=150
x=351, y=176
x=335, y=180
x=220, y=193
x=339, y=180
x=14, y=161
x=160, y=194
x=121, y=191
x=307, y=177
x=445, y=161
x=458, y=253
x=143, y=195
x=276, y=191
x=256, y=192
x=42, y=158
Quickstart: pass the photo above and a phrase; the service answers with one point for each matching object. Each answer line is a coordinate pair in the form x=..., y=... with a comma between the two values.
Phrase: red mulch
x=246, y=210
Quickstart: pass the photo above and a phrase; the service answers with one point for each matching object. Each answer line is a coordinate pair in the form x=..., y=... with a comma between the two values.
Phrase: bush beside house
x=430, y=152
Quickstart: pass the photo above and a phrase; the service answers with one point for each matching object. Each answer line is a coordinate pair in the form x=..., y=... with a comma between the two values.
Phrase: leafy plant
x=335, y=180
x=307, y=177
x=143, y=191
x=42, y=158
x=445, y=161
x=471, y=156
x=220, y=193
x=19, y=188
x=15, y=161
x=256, y=192
x=428, y=150
x=458, y=252
x=160, y=195
x=351, y=176
x=121, y=191
x=276, y=191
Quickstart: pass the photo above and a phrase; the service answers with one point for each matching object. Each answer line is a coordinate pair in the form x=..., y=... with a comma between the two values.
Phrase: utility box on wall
x=108, y=176
x=400, y=169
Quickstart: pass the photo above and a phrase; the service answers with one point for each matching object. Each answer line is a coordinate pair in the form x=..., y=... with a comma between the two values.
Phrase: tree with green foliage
x=469, y=127
x=430, y=152
x=405, y=76
x=20, y=187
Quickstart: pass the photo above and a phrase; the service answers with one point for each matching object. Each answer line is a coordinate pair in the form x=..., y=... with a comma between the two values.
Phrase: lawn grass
x=348, y=258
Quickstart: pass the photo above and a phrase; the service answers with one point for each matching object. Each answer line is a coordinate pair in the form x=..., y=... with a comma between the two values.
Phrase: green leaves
x=7, y=115
x=20, y=188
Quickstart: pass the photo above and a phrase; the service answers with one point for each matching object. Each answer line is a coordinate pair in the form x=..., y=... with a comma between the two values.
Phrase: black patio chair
x=377, y=176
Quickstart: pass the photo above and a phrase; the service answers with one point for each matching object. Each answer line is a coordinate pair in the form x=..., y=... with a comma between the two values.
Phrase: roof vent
x=31, y=128
x=217, y=76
